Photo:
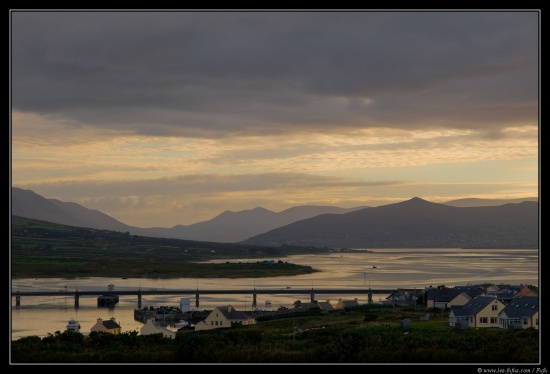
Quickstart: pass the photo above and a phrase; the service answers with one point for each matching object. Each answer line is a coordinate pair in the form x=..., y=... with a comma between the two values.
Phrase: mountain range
x=411, y=223
x=415, y=223
x=227, y=227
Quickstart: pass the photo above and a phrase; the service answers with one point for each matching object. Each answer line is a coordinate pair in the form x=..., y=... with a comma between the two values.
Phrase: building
x=185, y=304
x=225, y=317
x=481, y=311
x=526, y=291
x=522, y=312
x=444, y=297
x=325, y=305
x=342, y=304
x=109, y=326
x=152, y=327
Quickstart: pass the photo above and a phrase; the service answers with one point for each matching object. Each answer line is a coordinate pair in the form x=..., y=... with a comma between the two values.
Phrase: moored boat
x=73, y=325
x=180, y=324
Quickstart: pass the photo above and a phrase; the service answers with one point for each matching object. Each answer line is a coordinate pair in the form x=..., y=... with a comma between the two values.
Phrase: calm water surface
x=395, y=268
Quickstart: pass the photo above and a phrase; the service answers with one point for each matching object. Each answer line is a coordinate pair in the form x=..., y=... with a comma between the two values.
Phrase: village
x=470, y=306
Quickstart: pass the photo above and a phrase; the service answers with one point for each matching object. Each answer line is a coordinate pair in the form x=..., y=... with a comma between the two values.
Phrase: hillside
x=41, y=249
x=232, y=226
x=470, y=202
x=415, y=223
x=227, y=227
x=26, y=203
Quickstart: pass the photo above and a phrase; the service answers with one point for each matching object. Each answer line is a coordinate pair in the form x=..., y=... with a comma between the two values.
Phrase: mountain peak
x=416, y=200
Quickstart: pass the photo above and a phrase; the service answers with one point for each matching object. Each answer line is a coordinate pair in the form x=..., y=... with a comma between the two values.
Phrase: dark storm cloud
x=207, y=73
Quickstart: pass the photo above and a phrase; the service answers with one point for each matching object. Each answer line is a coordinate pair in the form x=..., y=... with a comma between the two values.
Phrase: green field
x=42, y=250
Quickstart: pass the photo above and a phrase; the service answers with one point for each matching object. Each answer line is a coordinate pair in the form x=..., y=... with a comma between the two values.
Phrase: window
x=537, y=322
x=494, y=308
x=212, y=323
x=494, y=320
x=526, y=321
x=216, y=315
x=221, y=323
x=471, y=319
x=483, y=320
x=216, y=323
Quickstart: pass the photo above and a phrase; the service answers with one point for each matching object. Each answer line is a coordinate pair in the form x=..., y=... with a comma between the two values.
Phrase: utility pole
x=294, y=332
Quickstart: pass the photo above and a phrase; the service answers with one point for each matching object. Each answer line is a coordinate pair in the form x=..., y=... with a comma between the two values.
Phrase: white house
x=522, y=312
x=225, y=317
x=481, y=311
x=152, y=327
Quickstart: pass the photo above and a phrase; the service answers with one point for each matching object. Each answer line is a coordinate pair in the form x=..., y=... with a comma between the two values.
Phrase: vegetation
x=365, y=334
x=42, y=249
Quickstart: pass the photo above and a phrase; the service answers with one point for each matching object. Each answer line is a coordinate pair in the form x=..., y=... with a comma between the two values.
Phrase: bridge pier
x=18, y=300
x=76, y=300
x=312, y=297
x=254, y=299
x=197, y=300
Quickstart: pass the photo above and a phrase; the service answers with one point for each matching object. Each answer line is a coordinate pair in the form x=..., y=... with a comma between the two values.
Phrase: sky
x=171, y=117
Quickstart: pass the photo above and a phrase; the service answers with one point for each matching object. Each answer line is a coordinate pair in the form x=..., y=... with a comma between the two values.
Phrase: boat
x=374, y=267
x=73, y=325
x=180, y=324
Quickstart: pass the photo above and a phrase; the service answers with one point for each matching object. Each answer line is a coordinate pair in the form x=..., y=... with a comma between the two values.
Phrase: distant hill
x=228, y=227
x=26, y=203
x=414, y=223
x=232, y=226
x=487, y=202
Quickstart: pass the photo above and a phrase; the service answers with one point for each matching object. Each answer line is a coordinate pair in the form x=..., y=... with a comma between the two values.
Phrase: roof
x=405, y=293
x=325, y=305
x=307, y=305
x=525, y=306
x=446, y=294
x=504, y=295
x=110, y=324
x=230, y=313
x=526, y=291
x=473, y=307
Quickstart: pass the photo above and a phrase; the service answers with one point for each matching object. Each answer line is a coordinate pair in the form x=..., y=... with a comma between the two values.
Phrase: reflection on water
x=395, y=268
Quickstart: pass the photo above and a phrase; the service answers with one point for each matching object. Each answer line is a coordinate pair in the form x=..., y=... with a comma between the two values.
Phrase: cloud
x=213, y=74
x=170, y=117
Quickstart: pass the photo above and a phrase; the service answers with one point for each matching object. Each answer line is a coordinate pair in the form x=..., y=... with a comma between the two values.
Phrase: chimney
x=229, y=308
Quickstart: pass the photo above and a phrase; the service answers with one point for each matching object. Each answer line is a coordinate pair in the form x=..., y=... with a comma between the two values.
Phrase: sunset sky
x=172, y=117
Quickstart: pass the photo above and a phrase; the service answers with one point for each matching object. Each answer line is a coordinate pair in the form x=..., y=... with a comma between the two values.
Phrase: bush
x=369, y=317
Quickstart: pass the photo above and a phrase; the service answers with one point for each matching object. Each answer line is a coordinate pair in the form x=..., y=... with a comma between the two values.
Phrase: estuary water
x=379, y=269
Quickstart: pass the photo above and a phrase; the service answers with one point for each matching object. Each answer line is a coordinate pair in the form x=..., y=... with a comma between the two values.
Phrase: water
x=395, y=268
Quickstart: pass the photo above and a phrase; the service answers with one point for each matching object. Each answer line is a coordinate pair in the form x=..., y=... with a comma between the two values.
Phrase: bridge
x=272, y=291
